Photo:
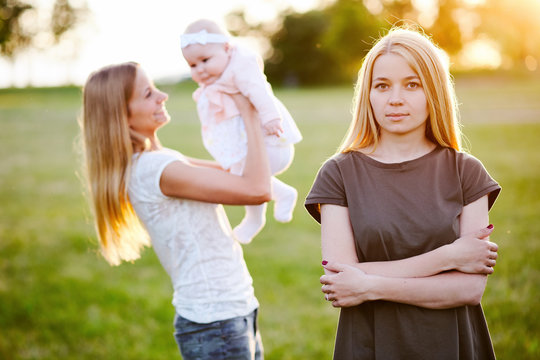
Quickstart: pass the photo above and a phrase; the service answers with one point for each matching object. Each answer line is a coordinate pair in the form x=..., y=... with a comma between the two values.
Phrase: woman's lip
x=396, y=117
x=162, y=112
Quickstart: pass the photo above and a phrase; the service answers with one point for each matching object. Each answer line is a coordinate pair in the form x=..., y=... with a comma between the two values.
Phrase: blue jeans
x=237, y=338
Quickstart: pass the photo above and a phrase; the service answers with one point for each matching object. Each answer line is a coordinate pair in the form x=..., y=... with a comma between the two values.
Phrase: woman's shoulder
x=335, y=160
x=338, y=164
x=155, y=160
x=161, y=153
x=460, y=157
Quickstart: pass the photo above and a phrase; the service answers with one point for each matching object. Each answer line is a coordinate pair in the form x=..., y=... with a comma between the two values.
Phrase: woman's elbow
x=473, y=294
x=259, y=195
x=262, y=198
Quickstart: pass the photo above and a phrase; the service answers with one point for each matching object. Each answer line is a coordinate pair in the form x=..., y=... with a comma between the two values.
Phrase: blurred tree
x=446, y=30
x=327, y=45
x=17, y=34
x=442, y=25
x=351, y=34
x=317, y=47
x=297, y=56
x=396, y=10
x=12, y=35
x=515, y=27
x=511, y=24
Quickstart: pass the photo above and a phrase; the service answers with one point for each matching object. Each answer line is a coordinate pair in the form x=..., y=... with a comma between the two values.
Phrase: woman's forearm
x=257, y=168
x=349, y=286
x=471, y=253
x=440, y=291
x=430, y=263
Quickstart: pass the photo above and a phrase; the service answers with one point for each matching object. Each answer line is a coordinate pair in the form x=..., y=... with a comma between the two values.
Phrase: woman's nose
x=163, y=96
x=396, y=97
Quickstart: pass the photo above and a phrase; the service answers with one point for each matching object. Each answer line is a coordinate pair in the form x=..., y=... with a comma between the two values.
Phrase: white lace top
x=194, y=243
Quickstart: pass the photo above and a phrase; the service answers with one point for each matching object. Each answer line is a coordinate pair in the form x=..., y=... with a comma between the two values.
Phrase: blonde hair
x=432, y=66
x=108, y=150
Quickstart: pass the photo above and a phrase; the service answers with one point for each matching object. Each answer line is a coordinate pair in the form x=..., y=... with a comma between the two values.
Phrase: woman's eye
x=413, y=85
x=381, y=86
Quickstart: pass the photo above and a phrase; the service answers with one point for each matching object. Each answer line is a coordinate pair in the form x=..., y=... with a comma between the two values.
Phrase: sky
x=144, y=31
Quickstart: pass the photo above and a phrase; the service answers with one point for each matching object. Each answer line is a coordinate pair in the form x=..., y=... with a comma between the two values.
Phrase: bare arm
x=350, y=285
x=184, y=180
x=204, y=163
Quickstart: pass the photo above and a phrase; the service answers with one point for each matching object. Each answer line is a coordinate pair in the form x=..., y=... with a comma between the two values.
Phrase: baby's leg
x=251, y=224
x=284, y=196
x=279, y=158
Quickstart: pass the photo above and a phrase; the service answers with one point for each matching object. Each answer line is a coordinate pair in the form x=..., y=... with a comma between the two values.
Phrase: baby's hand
x=273, y=127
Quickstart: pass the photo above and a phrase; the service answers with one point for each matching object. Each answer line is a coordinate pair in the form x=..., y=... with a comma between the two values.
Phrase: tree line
x=326, y=45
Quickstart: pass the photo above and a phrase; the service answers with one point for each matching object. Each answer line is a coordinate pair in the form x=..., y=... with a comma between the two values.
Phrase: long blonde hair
x=432, y=66
x=108, y=150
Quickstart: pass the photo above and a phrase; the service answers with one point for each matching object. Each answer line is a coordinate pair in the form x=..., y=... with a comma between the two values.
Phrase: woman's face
x=397, y=97
x=147, y=110
x=207, y=62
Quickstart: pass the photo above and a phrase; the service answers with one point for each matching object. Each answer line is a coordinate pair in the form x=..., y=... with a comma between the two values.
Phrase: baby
x=222, y=68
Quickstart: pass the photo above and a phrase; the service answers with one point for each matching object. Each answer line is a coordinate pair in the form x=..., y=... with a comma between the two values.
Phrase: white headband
x=202, y=37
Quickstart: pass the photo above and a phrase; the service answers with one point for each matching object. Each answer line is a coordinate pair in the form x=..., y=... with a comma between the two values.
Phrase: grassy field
x=60, y=300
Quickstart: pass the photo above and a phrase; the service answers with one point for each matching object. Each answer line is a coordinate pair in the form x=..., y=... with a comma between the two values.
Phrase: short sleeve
x=328, y=188
x=476, y=181
x=146, y=174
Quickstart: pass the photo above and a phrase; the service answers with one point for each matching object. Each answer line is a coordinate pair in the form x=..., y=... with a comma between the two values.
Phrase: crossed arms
x=449, y=276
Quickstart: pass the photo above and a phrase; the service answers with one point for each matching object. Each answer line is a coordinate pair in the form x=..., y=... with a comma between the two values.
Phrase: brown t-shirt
x=397, y=211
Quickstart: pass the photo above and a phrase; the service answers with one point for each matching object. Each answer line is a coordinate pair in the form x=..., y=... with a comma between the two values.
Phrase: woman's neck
x=148, y=144
x=397, y=150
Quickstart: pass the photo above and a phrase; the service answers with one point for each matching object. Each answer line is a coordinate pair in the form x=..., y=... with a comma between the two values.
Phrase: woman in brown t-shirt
x=391, y=205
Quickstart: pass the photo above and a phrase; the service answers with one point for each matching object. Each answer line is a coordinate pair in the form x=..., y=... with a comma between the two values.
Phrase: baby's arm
x=250, y=80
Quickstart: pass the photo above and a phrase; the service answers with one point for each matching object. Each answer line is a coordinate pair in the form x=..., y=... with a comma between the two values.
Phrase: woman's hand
x=246, y=109
x=474, y=253
x=348, y=287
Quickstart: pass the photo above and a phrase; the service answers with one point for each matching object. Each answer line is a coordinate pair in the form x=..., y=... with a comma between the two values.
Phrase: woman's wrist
x=376, y=287
x=448, y=261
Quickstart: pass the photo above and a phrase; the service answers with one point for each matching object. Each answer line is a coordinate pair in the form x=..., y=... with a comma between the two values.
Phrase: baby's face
x=207, y=62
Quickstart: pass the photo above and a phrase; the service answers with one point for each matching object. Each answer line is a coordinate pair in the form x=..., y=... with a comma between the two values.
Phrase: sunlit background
x=60, y=300
x=122, y=30
x=493, y=34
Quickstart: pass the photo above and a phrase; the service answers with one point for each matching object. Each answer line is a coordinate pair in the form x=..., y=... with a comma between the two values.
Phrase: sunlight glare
x=428, y=11
x=531, y=63
x=481, y=53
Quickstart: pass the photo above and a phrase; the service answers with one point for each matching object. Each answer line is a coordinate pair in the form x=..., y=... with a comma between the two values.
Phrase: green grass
x=60, y=300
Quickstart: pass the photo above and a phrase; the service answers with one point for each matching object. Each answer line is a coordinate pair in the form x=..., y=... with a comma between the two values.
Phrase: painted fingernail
x=324, y=262
x=490, y=226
